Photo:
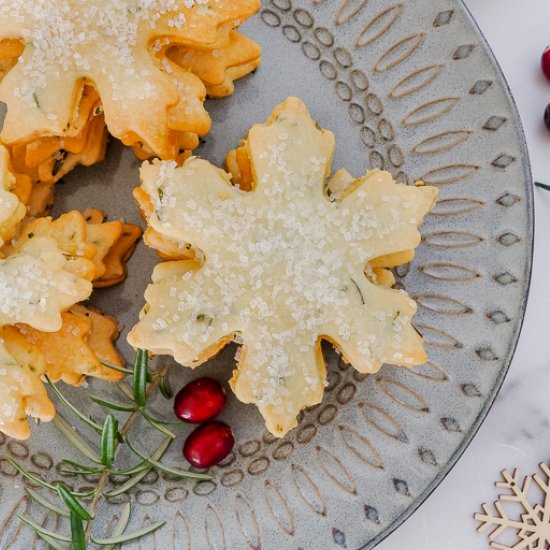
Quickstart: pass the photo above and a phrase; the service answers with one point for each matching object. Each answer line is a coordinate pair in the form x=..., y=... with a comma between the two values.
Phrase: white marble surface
x=517, y=431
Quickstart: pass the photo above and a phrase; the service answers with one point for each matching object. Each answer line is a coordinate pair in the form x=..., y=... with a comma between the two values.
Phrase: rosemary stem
x=123, y=432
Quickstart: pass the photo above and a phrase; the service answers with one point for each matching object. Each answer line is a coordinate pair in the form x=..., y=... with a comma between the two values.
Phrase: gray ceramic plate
x=413, y=88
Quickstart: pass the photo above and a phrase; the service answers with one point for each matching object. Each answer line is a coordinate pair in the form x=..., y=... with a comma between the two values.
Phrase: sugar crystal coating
x=110, y=44
x=282, y=266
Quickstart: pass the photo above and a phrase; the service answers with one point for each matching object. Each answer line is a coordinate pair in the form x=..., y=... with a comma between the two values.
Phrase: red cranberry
x=199, y=401
x=208, y=444
x=545, y=62
x=547, y=116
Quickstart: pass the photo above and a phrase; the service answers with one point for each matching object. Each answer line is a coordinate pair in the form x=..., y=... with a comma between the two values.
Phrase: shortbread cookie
x=70, y=68
x=280, y=267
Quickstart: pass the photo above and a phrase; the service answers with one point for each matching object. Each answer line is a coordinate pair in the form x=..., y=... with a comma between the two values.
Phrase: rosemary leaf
x=121, y=525
x=140, y=377
x=77, y=533
x=158, y=427
x=118, y=369
x=121, y=539
x=71, y=502
x=165, y=388
x=39, y=529
x=167, y=469
x=108, y=441
x=30, y=477
x=82, y=467
x=138, y=468
x=113, y=406
x=39, y=482
x=130, y=484
x=138, y=476
x=73, y=473
x=63, y=426
x=177, y=423
x=126, y=390
x=72, y=408
x=51, y=542
x=542, y=185
x=46, y=503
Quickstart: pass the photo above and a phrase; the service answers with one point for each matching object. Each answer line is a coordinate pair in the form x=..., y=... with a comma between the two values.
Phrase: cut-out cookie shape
x=36, y=285
x=70, y=70
x=82, y=347
x=22, y=391
x=280, y=267
x=12, y=210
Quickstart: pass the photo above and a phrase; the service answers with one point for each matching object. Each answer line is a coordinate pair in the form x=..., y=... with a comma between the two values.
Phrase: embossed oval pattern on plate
x=248, y=524
x=379, y=25
x=415, y=81
x=444, y=305
x=384, y=422
x=279, y=508
x=441, y=142
x=361, y=447
x=11, y=529
x=452, y=239
x=180, y=532
x=335, y=470
x=308, y=490
x=456, y=206
x=214, y=530
x=402, y=395
x=430, y=111
x=399, y=52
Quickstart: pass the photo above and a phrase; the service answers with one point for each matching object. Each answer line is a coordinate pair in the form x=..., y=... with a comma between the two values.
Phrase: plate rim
x=527, y=279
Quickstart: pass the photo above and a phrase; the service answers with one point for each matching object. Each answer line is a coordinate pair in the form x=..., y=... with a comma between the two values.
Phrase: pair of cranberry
x=545, y=63
x=198, y=403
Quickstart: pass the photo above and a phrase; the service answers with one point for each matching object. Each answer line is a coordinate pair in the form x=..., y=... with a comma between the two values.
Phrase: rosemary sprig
x=71, y=502
x=108, y=441
x=40, y=483
x=165, y=388
x=126, y=390
x=46, y=503
x=77, y=533
x=51, y=542
x=122, y=539
x=41, y=531
x=88, y=421
x=82, y=468
x=158, y=427
x=103, y=459
x=62, y=425
x=121, y=525
x=112, y=406
x=118, y=369
x=140, y=377
x=148, y=391
x=166, y=469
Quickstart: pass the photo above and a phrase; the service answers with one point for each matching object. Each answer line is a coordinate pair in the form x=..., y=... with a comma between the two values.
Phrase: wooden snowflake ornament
x=280, y=267
x=532, y=527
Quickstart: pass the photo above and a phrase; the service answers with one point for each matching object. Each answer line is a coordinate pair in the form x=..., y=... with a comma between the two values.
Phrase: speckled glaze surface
x=410, y=87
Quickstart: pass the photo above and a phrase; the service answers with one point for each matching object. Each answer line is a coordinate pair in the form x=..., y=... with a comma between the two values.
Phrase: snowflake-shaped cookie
x=71, y=354
x=109, y=43
x=219, y=68
x=37, y=284
x=22, y=391
x=281, y=267
x=12, y=210
x=49, y=268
